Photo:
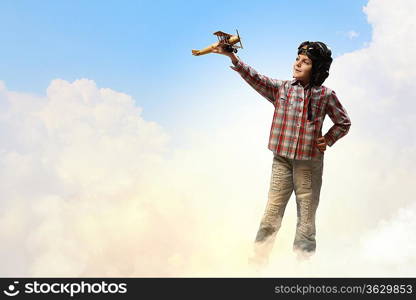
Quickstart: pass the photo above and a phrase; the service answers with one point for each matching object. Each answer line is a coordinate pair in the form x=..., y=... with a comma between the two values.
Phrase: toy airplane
x=227, y=40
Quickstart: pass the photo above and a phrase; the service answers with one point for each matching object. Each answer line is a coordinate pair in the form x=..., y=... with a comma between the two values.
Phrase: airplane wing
x=221, y=33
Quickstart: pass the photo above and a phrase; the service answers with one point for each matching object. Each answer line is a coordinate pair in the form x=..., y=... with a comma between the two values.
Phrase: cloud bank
x=90, y=188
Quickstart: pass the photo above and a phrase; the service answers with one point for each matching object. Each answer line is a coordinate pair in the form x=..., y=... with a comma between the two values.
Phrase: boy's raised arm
x=265, y=86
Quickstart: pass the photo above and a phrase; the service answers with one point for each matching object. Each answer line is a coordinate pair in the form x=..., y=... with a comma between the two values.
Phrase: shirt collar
x=296, y=82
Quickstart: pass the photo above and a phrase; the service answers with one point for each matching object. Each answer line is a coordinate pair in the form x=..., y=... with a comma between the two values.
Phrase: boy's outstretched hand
x=220, y=50
x=321, y=143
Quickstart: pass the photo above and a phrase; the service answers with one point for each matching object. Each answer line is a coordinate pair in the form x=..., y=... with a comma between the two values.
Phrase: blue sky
x=143, y=48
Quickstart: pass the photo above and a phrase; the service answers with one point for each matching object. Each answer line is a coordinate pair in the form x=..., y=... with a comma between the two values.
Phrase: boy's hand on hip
x=321, y=143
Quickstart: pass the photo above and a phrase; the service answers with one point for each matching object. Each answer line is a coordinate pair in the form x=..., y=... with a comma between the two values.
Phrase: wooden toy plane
x=228, y=41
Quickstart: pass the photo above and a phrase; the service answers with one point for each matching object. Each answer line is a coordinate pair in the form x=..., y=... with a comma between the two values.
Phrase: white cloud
x=351, y=34
x=90, y=188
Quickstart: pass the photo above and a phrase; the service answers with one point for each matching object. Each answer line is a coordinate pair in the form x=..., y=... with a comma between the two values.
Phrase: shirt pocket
x=284, y=103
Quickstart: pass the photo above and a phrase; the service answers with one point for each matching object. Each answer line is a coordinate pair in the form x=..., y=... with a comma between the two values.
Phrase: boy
x=296, y=141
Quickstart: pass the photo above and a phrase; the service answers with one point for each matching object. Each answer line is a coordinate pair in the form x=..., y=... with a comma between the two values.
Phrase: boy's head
x=312, y=63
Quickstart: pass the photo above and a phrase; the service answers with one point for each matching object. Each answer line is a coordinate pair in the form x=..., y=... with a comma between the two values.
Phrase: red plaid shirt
x=292, y=135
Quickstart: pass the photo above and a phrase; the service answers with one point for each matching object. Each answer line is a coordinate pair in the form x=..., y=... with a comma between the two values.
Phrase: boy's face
x=302, y=69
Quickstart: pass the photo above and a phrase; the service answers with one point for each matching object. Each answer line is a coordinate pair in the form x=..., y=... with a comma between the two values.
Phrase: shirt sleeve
x=339, y=117
x=264, y=85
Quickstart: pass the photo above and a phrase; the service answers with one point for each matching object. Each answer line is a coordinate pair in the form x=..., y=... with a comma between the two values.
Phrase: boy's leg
x=307, y=184
x=281, y=187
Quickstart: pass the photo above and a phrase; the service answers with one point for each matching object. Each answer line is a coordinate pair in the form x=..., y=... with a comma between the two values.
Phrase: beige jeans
x=288, y=175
